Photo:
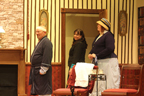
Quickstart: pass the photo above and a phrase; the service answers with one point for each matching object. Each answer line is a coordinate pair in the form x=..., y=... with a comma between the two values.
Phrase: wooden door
x=103, y=14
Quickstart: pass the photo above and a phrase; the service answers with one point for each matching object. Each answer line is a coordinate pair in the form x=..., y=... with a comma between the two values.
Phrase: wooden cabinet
x=141, y=35
x=15, y=57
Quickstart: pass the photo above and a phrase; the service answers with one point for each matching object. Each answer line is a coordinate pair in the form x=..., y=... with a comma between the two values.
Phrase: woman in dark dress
x=78, y=49
x=103, y=51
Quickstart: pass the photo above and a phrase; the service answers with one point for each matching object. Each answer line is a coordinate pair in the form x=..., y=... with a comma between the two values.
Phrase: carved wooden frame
x=122, y=23
x=44, y=19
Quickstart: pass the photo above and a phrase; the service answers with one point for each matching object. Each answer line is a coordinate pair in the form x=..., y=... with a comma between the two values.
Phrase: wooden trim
x=43, y=3
x=10, y=49
x=110, y=11
x=118, y=29
x=39, y=5
x=91, y=4
x=47, y=4
x=59, y=33
x=9, y=62
x=73, y=4
x=82, y=4
x=96, y=4
x=81, y=11
x=30, y=29
x=132, y=33
x=77, y=4
x=51, y=21
x=63, y=49
x=122, y=36
x=121, y=48
x=101, y=4
x=27, y=29
x=55, y=34
x=21, y=55
x=56, y=63
x=23, y=23
x=68, y=3
x=35, y=26
x=123, y=5
x=87, y=4
x=106, y=4
x=114, y=19
x=125, y=38
x=64, y=4
x=121, y=64
x=128, y=30
x=53, y=63
x=27, y=63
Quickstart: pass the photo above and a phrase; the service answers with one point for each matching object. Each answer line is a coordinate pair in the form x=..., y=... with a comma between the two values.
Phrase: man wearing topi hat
x=41, y=70
x=103, y=52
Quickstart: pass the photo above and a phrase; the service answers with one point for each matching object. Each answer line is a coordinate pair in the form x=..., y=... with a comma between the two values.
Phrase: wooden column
x=15, y=57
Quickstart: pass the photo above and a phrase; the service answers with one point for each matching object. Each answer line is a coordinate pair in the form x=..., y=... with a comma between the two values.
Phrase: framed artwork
x=122, y=23
x=44, y=19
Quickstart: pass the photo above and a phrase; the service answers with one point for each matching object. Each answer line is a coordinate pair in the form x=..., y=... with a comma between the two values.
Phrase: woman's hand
x=70, y=71
x=93, y=55
x=90, y=56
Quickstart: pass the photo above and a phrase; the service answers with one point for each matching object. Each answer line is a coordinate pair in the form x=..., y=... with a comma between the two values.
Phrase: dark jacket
x=42, y=56
x=77, y=53
x=104, y=46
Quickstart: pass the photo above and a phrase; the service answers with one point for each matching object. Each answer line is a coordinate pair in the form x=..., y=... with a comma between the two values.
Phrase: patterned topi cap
x=104, y=23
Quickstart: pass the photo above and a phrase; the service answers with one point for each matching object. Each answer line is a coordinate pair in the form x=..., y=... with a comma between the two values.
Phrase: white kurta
x=111, y=69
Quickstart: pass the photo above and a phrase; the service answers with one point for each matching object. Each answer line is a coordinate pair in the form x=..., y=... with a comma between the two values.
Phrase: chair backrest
x=142, y=92
x=72, y=76
x=131, y=76
x=71, y=79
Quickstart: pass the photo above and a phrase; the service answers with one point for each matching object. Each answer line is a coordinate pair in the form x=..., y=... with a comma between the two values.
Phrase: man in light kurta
x=41, y=70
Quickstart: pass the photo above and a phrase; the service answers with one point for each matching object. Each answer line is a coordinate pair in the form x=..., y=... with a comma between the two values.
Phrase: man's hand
x=43, y=70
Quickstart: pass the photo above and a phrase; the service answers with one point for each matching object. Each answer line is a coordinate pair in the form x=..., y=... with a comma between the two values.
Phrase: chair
x=131, y=82
x=78, y=91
